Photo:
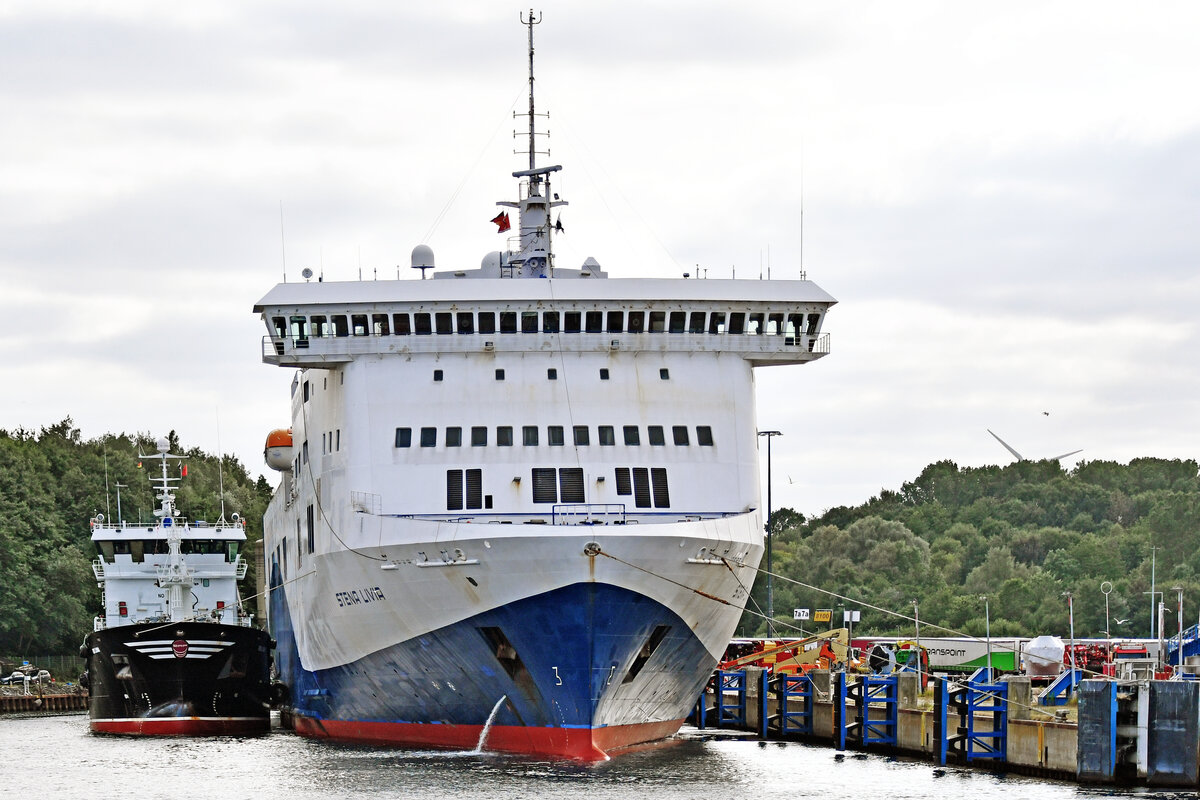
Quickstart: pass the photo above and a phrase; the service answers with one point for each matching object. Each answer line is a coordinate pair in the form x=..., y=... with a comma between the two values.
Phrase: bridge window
x=697, y=322
x=280, y=326
x=716, y=322
x=487, y=322
x=358, y=322
x=655, y=435
x=581, y=435
x=454, y=437
x=445, y=322
x=340, y=326
x=594, y=321
x=479, y=436
x=466, y=322
x=422, y=324
x=704, y=436
x=737, y=323
x=606, y=436
x=379, y=325
x=508, y=322
x=554, y=436
x=658, y=321
x=616, y=321
x=400, y=324
x=550, y=321
x=300, y=330
x=680, y=434
x=321, y=327
x=756, y=324
x=529, y=322
x=814, y=322
x=529, y=435
x=428, y=437
x=572, y=322
x=774, y=324
x=678, y=319
x=637, y=321
x=631, y=435
x=504, y=436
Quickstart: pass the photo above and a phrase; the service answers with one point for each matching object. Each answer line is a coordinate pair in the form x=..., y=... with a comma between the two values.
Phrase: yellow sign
x=823, y=615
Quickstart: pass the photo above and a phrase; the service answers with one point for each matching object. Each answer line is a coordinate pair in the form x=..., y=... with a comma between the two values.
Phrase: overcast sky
x=1005, y=199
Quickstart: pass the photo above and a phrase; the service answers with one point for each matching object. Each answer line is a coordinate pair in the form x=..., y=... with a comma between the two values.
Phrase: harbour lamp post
x=917, y=620
x=987, y=623
x=1179, y=650
x=767, y=531
x=1107, y=618
x=1071, y=617
x=1153, y=553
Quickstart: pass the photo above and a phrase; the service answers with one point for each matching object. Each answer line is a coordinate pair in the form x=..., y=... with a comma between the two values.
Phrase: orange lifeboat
x=278, y=451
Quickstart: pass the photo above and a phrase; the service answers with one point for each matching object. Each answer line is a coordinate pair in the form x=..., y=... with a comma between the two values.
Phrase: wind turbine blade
x=1016, y=455
x=1064, y=455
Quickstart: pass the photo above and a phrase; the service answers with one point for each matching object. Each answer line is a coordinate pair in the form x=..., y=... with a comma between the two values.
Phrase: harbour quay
x=1143, y=732
x=23, y=704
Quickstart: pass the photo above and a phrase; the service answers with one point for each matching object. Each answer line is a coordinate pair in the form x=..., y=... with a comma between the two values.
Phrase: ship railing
x=333, y=350
x=588, y=514
x=98, y=568
x=241, y=565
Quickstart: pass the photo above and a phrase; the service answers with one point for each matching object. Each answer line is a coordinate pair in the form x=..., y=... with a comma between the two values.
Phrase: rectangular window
x=654, y=434
x=474, y=488
x=445, y=322
x=529, y=435
x=716, y=322
x=428, y=437
x=554, y=436
x=312, y=531
x=359, y=323
x=529, y=322
x=641, y=487
x=616, y=321
x=631, y=435
x=737, y=323
x=594, y=321
x=551, y=374
x=570, y=484
x=550, y=321
x=637, y=321
x=479, y=436
x=500, y=374
x=680, y=432
x=487, y=322
x=340, y=327
x=658, y=481
x=466, y=322
x=697, y=322
x=624, y=485
x=320, y=327
x=453, y=437
x=572, y=322
x=403, y=437
x=757, y=324
x=774, y=324
x=379, y=325
x=545, y=489
x=454, y=489
x=704, y=436
x=604, y=373
x=508, y=322
x=678, y=320
x=581, y=435
x=422, y=324
x=658, y=321
x=606, y=436
x=400, y=324
x=504, y=436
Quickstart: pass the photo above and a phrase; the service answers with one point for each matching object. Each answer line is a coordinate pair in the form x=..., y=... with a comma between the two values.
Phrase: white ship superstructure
x=519, y=488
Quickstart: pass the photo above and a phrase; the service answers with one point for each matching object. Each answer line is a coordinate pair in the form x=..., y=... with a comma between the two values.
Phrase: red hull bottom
x=583, y=744
x=183, y=726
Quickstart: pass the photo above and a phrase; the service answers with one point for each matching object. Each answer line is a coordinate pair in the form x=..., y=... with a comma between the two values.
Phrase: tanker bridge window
x=422, y=324
x=400, y=325
x=445, y=322
x=466, y=322
x=637, y=321
x=572, y=322
x=508, y=322
x=359, y=323
x=487, y=322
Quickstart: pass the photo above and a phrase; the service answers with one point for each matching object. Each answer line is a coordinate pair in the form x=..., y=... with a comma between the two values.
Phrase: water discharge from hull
x=487, y=726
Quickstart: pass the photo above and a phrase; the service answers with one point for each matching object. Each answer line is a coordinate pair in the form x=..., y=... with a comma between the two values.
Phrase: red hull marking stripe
x=182, y=726
x=585, y=744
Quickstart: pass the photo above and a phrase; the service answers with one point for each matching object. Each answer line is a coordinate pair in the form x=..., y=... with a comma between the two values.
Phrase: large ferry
x=518, y=501
x=173, y=651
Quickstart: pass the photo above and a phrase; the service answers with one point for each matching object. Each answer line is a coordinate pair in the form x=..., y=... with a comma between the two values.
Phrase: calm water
x=56, y=757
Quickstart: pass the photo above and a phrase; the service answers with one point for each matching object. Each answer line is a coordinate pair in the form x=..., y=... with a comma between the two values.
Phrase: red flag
x=184, y=470
x=502, y=222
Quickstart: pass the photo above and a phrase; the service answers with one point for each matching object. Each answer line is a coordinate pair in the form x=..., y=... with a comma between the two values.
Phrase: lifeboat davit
x=278, y=452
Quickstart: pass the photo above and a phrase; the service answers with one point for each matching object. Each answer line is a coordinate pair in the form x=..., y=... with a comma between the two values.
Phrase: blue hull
x=573, y=658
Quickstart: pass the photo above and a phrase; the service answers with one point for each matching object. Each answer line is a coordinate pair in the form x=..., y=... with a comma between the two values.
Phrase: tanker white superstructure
x=519, y=493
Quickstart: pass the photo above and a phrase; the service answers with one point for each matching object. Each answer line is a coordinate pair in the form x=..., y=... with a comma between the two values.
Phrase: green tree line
x=52, y=482
x=1022, y=535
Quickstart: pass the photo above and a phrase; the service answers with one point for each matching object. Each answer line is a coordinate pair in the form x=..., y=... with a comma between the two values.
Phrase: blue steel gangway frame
x=974, y=737
x=794, y=696
x=853, y=701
